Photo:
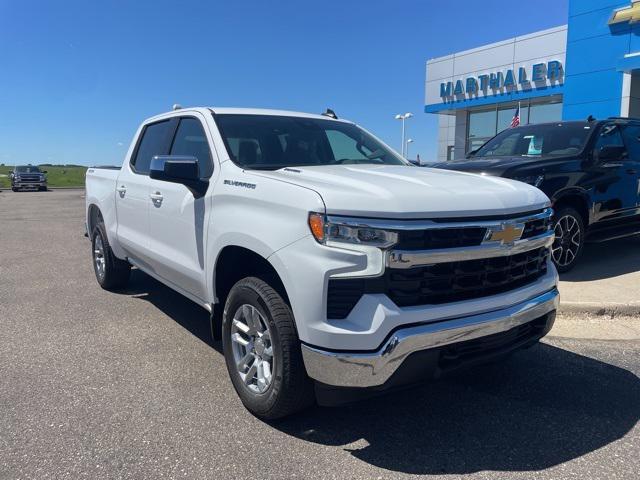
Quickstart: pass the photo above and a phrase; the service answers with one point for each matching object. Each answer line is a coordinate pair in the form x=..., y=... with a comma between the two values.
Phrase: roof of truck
x=247, y=111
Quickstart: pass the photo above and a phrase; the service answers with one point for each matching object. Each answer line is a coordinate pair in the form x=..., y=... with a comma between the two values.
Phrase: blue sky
x=77, y=77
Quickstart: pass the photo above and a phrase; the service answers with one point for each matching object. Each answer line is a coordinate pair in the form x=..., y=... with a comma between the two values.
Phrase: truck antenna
x=177, y=106
x=330, y=113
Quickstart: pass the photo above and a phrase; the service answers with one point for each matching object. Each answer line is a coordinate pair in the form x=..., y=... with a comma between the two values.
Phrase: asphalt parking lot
x=129, y=385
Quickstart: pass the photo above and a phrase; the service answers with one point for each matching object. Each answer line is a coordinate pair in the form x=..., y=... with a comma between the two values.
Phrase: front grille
x=29, y=178
x=440, y=283
x=536, y=227
x=431, y=239
x=442, y=237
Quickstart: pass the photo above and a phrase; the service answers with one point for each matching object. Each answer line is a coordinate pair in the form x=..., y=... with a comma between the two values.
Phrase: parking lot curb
x=600, y=309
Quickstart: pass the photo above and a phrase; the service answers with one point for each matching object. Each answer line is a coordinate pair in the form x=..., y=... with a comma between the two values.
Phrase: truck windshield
x=27, y=169
x=270, y=142
x=556, y=139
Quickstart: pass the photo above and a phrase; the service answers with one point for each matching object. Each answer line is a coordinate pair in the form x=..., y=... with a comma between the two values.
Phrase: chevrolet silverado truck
x=589, y=169
x=331, y=267
x=27, y=177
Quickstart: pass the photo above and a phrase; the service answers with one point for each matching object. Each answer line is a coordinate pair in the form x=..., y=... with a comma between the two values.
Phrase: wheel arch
x=235, y=262
x=93, y=217
x=577, y=199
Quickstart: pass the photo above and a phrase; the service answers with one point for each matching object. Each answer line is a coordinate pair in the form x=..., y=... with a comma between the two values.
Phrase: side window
x=153, y=142
x=190, y=140
x=609, y=135
x=631, y=134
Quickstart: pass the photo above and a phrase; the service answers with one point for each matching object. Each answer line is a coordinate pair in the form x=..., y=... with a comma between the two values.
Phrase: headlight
x=334, y=229
x=535, y=180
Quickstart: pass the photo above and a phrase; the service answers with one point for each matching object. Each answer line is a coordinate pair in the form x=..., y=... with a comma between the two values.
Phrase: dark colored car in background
x=28, y=177
x=589, y=169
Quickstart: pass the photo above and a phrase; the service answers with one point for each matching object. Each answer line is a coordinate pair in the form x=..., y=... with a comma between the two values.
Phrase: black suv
x=590, y=170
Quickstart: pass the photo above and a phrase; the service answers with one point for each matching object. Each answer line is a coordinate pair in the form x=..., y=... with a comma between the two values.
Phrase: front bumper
x=375, y=368
x=29, y=184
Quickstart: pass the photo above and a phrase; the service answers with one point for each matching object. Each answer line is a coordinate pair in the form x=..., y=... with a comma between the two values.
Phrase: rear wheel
x=569, y=242
x=262, y=351
x=111, y=272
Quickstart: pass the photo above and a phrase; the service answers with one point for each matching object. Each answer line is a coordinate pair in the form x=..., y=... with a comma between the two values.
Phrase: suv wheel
x=262, y=351
x=569, y=242
x=111, y=272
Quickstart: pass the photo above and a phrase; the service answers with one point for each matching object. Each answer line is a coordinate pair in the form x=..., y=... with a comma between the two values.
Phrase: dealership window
x=484, y=124
x=545, y=112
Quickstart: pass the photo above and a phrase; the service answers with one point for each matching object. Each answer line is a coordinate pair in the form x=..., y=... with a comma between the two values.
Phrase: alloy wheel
x=566, y=245
x=98, y=255
x=252, y=348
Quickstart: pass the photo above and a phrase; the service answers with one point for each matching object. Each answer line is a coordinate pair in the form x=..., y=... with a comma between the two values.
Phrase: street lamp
x=403, y=118
x=409, y=141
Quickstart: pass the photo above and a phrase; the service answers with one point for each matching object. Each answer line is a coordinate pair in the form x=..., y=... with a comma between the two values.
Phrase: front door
x=178, y=220
x=615, y=181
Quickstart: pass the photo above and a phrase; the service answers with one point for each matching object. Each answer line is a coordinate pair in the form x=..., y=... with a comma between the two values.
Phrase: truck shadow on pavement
x=183, y=311
x=606, y=260
x=542, y=407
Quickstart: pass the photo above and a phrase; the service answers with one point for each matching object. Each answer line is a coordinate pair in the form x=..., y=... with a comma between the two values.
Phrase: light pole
x=403, y=118
x=409, y=141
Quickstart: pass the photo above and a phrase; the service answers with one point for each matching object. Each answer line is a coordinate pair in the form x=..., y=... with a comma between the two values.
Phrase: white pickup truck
x=331, y=266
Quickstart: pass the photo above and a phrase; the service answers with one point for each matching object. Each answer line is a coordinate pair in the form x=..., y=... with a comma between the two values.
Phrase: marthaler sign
x=510, y=79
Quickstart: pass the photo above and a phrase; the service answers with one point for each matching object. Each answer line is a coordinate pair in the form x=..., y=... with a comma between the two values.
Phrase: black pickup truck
x=589, y=169
x=28, y=177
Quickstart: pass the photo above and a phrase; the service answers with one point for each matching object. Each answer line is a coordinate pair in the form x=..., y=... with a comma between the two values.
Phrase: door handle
x=121, y=190
x=632, y=171
x=156, y=197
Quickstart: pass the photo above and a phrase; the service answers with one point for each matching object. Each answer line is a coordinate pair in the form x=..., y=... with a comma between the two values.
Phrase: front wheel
x=262, y=351
x=569, y=242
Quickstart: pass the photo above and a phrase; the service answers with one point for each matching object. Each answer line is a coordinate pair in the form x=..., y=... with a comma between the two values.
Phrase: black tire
x=290, y=389
x=115, y=272
x=43, y=189
x=14, y=189
x=569, y=227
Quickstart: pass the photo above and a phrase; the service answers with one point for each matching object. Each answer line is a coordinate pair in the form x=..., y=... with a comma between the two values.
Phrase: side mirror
x=611, y=152
x=43, y=171
x=178, y=169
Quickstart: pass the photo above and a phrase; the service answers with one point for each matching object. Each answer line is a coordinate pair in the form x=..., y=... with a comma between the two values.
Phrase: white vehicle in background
x=332, y=267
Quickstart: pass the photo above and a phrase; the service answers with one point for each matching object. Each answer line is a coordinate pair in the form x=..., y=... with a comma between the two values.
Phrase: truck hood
x=387, y=191
x=497, y=165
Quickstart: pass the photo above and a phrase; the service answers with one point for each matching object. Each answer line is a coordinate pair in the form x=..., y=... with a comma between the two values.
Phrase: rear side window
x=154, y=142
x=631, y=134
x=190, y=140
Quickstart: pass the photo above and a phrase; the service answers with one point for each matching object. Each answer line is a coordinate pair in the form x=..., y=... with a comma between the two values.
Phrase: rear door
x=178, y=219
x=132, y=189
x=615, y=184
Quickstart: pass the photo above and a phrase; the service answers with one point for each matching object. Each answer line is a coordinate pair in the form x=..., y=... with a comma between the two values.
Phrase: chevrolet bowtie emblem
x=629, y=14
x=509, y=234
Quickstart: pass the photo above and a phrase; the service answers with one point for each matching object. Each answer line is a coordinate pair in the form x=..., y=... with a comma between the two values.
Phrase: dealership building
x=591, y=66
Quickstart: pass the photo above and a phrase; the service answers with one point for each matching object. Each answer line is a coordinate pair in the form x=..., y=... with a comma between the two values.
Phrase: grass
x=57, y=175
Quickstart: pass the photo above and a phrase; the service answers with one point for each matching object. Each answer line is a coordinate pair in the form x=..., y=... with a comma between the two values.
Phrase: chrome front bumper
x=371, y=369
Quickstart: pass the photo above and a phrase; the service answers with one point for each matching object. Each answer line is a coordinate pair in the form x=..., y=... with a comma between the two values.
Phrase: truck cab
x=332, y=268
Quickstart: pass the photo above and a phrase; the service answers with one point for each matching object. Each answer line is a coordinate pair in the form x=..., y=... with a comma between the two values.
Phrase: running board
x=613, y=234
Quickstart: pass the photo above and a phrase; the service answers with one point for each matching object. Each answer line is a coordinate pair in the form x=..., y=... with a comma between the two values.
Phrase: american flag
x=516, y=118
